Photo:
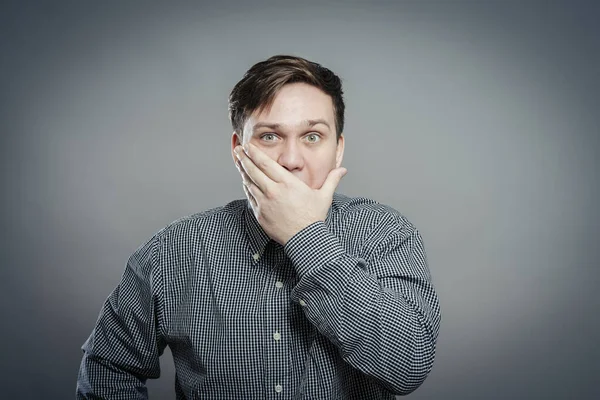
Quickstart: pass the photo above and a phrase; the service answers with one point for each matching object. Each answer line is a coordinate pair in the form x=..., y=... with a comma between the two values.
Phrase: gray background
x=477, y=120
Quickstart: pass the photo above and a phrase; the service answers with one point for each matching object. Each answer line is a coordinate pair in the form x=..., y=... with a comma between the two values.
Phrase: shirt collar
x=256, y=235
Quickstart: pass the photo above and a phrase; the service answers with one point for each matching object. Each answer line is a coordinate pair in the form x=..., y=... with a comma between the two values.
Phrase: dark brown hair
x=259, y=86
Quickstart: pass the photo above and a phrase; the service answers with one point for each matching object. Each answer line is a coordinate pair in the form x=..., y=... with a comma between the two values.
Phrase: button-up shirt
x=345, y=310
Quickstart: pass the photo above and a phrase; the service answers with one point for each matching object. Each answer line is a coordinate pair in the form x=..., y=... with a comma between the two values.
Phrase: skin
x=291, y=168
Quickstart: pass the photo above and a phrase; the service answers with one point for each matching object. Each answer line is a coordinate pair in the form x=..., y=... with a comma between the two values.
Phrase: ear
x=236, y=140
x=339, y=152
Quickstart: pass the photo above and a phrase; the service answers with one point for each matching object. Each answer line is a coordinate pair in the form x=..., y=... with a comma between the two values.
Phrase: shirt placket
x=276, y=330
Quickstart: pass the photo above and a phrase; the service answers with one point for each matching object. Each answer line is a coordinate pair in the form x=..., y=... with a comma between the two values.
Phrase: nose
x=291, y=156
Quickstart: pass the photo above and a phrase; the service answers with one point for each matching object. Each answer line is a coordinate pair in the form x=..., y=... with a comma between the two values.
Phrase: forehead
x=294, y=104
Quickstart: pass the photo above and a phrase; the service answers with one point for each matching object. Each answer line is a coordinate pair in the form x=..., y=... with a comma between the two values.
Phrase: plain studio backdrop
x=477, y=120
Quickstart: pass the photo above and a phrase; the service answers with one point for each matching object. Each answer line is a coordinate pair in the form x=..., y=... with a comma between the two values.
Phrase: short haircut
x=258, y=87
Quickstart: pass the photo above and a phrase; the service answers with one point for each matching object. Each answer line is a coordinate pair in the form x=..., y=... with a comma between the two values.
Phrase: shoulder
x=204, y=221
x=370, y=228
x=185, y=232
x=369, y=215
x=172, y=246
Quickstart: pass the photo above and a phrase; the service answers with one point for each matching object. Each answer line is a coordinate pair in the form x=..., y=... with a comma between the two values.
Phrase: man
x=297, y=292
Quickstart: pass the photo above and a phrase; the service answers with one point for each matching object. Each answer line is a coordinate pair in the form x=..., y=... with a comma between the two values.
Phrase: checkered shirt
x=345, y=310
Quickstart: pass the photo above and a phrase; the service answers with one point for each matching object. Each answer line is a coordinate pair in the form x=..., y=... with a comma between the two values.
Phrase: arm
x=381, y=312
x=124, y=348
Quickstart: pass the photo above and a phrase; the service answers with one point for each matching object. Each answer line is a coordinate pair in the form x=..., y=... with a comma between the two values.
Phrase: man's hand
x=282, y=203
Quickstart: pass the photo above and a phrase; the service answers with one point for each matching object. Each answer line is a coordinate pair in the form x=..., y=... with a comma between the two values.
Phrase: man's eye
x=313, y=138
x=270, y=135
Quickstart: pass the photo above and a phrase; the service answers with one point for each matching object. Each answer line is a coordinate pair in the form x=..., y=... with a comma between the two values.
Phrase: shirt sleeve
x=379, y=309
x=124, y=347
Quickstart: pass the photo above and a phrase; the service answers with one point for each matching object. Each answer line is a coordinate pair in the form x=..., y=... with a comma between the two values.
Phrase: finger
x=245, y=178
x=260, y=179
x=251, y=188
x=257, y=195
x=333, y=180
x=251, y=198
x=266, y=164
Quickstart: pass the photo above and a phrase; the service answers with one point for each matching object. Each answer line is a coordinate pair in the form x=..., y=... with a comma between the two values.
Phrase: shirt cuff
x=312, y=247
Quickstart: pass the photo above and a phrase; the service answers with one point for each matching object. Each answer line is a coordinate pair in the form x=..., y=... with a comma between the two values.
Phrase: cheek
x=317, y=175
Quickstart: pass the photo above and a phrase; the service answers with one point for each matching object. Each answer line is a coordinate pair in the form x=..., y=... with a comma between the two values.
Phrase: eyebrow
x=307, y=122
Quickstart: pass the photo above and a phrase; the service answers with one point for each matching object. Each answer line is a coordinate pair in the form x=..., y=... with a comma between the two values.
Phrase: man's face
x=298, y=132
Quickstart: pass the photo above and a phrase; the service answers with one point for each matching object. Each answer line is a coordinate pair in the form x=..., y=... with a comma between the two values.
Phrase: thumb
x=333, y=179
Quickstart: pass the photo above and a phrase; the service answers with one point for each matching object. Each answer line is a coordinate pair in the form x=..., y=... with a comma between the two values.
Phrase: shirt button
x=256, y=256
x=302, y=303
x=277, y=336
x=278, y=388
x=278, y=284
